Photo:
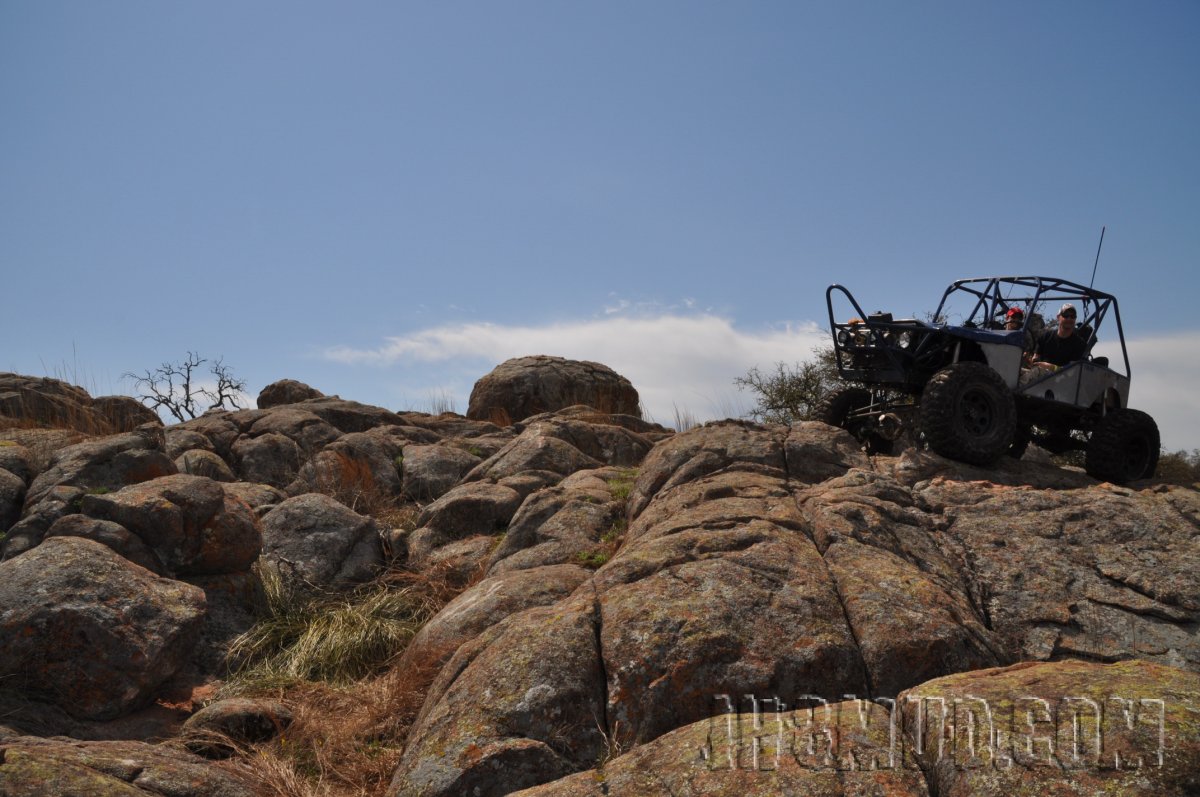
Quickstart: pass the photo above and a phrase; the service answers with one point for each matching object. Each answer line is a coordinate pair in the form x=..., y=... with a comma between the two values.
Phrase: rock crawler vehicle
x=959, y=382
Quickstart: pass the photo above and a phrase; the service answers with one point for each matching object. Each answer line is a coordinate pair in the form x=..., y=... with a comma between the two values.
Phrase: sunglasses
x=1067, y=315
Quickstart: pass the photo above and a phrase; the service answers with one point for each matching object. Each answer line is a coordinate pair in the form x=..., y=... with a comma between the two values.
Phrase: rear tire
x=968, y=413
x=1123, y=448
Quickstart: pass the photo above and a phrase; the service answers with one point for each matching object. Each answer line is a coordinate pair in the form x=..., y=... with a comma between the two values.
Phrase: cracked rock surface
x=782, y=563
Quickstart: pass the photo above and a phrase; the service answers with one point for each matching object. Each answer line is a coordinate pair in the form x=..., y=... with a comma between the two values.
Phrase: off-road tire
x=834, y=409
x=1123, y=448
x=968, y=413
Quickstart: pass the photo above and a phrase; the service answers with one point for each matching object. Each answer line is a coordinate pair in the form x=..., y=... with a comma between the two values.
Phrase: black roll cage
x=876, y=349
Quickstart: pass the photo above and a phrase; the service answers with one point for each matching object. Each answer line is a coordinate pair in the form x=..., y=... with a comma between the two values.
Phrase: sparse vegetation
x=1180, y=467
x=177, y=387
x=621, y=485
x=684, y=419
x=310, y=634
x=329, y=657
x=441, y=401
x=791, y=393
x=610, y=541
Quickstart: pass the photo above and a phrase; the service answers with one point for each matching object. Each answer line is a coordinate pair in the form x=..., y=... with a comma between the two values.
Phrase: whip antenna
x=1097, y=263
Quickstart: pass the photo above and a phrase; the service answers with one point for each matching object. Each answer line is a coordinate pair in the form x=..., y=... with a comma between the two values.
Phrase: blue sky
x=385, y=200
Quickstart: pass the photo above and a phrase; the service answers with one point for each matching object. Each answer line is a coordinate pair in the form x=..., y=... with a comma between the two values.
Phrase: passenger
x=1061, y=345
x=1014, y=320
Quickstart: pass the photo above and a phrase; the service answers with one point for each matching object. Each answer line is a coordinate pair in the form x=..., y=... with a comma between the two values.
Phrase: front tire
x=968, y=413
x=834, y=408
x=1123, y=448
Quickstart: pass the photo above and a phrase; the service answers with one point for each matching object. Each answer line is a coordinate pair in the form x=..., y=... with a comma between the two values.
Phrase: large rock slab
x=202, y=462
x=33, y=767
x=107, y=463
x=483, y=606
x=538, y=448
x=1067, y=728
x=190, y=522
x=359, y=469
x=467, y=510
x=430, y=471
x=52, y=402
x=90, y=630
x=559, y=525
x=1104, y=573
x=525, y=386
x=306, y=429
x=1070, y=728
x=707, y=449
x=841, y=749
x=350, y=416
x=112, y=535
x=270, y=458
x=322, y=541
x=541, y=710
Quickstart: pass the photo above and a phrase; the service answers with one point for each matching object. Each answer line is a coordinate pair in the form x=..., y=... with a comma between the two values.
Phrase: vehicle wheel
x=1123, y=448
x=835, y=408
x=968, y=413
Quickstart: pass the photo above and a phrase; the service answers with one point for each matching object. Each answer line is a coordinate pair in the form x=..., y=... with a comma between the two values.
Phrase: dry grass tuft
x=331, y=659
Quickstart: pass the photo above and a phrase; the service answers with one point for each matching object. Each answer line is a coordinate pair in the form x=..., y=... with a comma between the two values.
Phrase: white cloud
x=688, y=362
x=1166, y=383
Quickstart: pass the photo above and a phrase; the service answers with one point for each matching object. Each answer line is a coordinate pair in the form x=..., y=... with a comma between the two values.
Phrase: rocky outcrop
x=430, y=471
x=201, y=462
x=780, y=561
x=619, y=580
x=107, y=463
x=321, y=541
x=90, y=630
x=124, y=413
x=190, y=523
x=562, y=524
x=54, y=403
x=270, y=458
x=525, y=386
x=94, y=466
x=1063, y=728
x=214, y=730
x=485, y=605
x=32, y=767
x=113, y=535
x=286, y=391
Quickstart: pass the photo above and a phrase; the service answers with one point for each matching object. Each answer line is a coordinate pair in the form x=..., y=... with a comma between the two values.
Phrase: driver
x=1062, y=344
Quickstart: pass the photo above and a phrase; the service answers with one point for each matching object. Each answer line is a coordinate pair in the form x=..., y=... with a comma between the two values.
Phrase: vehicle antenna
x=1097, y=263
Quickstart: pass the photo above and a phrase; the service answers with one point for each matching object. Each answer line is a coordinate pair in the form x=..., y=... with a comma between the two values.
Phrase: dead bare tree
x=178, y=387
